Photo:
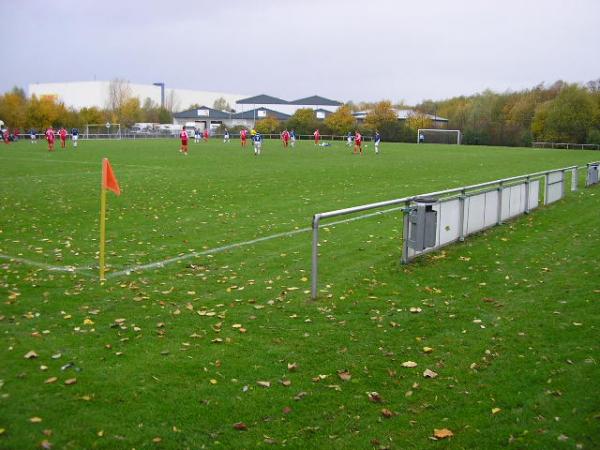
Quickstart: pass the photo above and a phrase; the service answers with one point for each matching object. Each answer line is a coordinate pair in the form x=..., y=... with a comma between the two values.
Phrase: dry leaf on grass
x=345, y=375
x=374, y=397
x=387, y=413
x=265, y=384
x=70, y=381
x=409, y=364
x=442, y=433
x=30, y=355
x=240, y=426
x=429, y=373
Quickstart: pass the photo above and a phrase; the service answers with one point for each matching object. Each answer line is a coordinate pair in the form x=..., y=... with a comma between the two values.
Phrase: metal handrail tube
x=340, y=212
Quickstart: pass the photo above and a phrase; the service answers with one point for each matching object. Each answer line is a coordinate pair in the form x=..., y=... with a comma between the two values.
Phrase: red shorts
x=184, y=142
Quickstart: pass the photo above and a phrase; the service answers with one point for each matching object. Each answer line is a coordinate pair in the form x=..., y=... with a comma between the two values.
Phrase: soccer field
x=206, y=303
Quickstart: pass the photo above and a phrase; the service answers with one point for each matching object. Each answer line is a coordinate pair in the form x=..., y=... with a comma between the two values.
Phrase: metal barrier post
x=461, y=216
x=546, y=178
x=500, y=194
x=405, y=214
x=315, y=255
x=574, y=179
x=526, y=209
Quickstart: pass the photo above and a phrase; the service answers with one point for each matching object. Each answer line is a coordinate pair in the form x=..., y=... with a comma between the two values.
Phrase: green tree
x=268, y=125
x=303, y=121
x=341, y=121
x=567, y=118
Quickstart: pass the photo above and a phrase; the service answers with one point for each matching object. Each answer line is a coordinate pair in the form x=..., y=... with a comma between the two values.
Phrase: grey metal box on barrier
x=592, y=175
x=422, y=225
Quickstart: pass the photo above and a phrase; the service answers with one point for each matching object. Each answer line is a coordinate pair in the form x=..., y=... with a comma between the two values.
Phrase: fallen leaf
x=156, y=440
x=415, y=309
x=241, y=426
x=374, y=397
x=292, y=367
x=427, y=349
x=409, y=364
x=45, y=444
x=386, y=413
x=70, y=381
x=35, y=419
x=496, y=410
x=344, y=375
x=31, y=355
x=51, y=380
x=286, y=383
x=286, y=410
x=213, y=381
x=429, y=373
x=442, y=433
x=265, y=384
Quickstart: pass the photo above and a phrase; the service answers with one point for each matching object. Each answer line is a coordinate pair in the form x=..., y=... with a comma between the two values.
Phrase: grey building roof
x=262, y=99
x=200, y=114
x=253, y=114
x=316, y=100
x=324, y=111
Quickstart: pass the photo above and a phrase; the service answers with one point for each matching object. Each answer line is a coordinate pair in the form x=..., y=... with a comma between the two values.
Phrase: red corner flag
x=109, y=181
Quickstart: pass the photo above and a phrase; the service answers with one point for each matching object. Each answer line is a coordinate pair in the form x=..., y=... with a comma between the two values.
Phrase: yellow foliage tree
x=341, y=121
x=418, y=120
x=268, y=125
x=380, y=115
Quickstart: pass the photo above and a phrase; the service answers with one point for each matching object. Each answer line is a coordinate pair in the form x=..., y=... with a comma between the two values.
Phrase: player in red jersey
x=184, y=141
x=357, y=142
x=285, y=137
x=5, y=135
x=243, y=136
x=63, y=137
x=206, y=135
x=50, y=138
x=317, y=136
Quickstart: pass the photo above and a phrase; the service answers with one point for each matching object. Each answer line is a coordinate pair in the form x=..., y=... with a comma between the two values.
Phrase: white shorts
x=33, y=137
x=75, y=137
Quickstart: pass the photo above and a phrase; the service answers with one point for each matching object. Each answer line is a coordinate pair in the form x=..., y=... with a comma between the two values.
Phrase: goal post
x=102, y=131
x=438, y=136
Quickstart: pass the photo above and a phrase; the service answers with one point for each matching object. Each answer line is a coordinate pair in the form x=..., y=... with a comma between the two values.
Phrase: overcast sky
x=341, y=49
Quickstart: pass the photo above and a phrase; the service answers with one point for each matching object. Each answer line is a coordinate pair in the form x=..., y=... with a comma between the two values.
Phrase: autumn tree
x=381, y=115
x=567, y=118
x=341, y=121
x=303, y=121
x=221, y=104
x=13, y=108
x=268, y=125
x=119, y=92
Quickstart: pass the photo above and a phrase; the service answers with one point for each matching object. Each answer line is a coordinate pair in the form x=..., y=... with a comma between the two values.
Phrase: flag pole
x=102, y=223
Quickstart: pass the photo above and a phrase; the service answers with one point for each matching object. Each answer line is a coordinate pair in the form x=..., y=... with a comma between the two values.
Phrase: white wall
x=95, y=93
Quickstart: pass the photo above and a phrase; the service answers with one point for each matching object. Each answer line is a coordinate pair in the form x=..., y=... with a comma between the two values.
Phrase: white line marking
x=156, y=264
x=87, y=163
x=48, y=267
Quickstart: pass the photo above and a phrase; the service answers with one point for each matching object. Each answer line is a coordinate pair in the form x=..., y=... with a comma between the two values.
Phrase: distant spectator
x=421, y=138
x=377, y=141
x=33, y=136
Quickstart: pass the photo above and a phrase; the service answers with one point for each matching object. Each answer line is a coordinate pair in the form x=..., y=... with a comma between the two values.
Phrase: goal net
x=102, y=131
x=438, y=136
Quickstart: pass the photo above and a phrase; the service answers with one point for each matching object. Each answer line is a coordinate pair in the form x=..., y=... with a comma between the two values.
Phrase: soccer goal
x=438, y=136
x=102, y=131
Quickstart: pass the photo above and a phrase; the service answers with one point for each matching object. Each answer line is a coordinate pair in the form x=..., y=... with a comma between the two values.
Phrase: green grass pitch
x=226, y=350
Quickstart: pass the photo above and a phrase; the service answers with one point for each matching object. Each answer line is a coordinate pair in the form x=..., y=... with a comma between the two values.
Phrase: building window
x=261, y=113
x=320, y=115
x=203, y=112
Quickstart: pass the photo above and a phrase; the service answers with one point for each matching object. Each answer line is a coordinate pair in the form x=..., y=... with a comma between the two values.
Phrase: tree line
x=560, y=112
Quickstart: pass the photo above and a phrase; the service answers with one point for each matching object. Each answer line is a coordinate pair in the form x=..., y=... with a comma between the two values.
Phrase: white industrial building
x=82, y=94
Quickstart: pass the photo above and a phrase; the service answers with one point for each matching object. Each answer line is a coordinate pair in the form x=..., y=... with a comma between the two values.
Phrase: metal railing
x=565, y=145
x=406, y=202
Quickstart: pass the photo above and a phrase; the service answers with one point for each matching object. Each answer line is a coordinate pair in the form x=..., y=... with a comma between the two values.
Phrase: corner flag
x=109, y=182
